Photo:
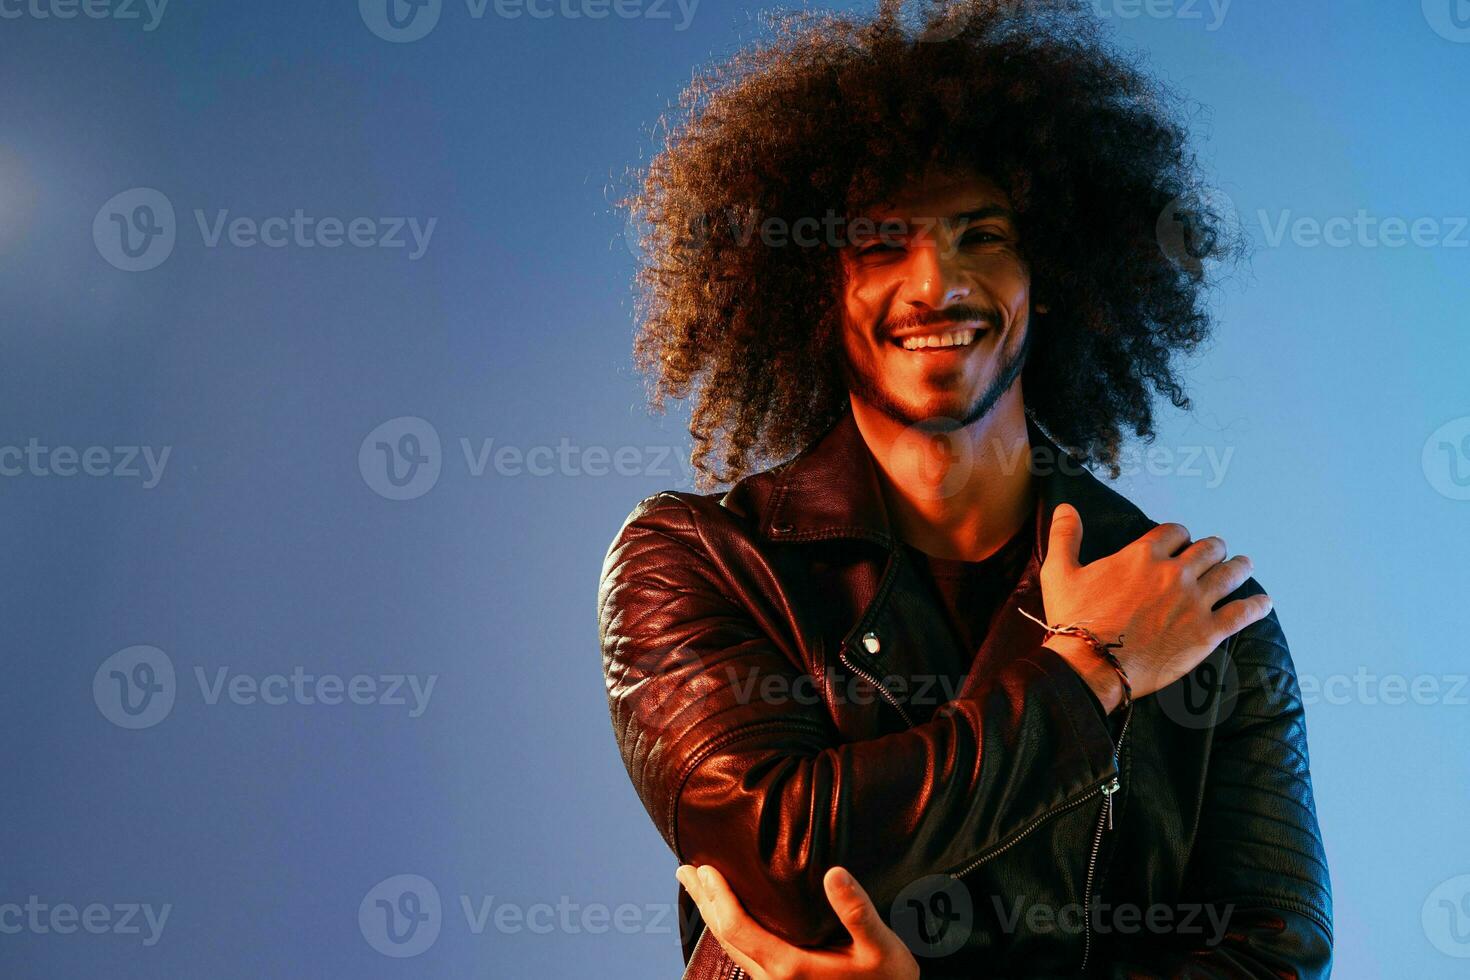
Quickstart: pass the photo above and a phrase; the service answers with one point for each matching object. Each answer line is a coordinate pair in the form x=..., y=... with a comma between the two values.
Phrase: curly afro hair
x=831, y=113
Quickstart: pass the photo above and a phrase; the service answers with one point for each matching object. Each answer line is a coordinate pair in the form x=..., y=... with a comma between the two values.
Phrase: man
x=930, y=658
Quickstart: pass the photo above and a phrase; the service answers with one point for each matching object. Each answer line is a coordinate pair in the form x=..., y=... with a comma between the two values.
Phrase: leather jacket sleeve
x=1257, y=855
x=764, y=788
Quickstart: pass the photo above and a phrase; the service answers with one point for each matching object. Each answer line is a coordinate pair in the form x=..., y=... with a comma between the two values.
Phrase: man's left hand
x=876, y=952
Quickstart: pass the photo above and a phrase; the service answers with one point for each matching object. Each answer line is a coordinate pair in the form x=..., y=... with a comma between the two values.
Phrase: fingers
x=1064, y=543
x=1203, y=555
x=742, y=937
x=1166, y=539
x=1235, y=616
x=1218, y=578
x=1224, y=578
x=854, y=908
x=871, y=936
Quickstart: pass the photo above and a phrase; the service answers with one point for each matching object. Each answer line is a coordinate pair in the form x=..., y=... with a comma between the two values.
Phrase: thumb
x=855, y=909
x=1064, y=543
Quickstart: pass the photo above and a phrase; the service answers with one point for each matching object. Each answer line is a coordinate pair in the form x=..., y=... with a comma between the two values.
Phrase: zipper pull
x=1108, y=792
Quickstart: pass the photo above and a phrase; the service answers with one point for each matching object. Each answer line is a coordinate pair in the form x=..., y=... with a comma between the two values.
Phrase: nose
x=935, y=280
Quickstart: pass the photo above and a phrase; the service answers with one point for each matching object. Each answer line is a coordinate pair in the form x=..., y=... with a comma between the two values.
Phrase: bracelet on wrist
x=1103, y=650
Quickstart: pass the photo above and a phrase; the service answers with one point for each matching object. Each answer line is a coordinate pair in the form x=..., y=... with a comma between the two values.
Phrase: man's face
x=936, y=301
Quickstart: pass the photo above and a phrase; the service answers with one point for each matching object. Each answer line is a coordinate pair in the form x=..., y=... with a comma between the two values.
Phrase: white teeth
x=955, y=338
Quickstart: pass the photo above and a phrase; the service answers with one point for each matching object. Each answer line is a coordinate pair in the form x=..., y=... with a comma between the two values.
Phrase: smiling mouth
x=949, y=340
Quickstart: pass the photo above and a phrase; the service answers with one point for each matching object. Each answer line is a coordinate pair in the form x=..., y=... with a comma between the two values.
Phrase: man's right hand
x=1157, y=593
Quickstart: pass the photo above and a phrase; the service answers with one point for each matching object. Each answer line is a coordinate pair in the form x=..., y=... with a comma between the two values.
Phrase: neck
x=959, y=495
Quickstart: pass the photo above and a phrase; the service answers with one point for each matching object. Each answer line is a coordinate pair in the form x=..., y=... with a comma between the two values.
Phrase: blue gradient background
x=264, y=548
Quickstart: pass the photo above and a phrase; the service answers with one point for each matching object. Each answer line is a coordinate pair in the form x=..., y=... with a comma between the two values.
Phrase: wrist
x=1095, y=672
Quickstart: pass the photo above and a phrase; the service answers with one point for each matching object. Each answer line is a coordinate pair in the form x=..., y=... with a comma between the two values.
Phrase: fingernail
x=842, y=879
x=706, y=877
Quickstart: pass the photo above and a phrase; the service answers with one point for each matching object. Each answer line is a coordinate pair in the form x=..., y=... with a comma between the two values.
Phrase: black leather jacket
x=780, y=686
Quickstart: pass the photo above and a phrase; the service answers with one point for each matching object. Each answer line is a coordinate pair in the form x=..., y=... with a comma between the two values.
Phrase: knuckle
x=1231, y=623
x=1242, y=614
x=1223, y=619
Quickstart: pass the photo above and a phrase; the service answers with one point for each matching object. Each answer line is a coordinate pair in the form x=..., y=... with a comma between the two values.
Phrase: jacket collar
x=831, y=490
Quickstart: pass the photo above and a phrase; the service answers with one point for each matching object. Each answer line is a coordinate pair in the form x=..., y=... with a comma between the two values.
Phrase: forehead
x=940, y=193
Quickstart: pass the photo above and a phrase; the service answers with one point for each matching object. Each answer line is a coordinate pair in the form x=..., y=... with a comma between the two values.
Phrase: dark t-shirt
x=972, y=592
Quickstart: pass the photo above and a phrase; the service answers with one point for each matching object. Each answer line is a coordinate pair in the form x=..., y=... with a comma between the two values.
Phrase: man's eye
x=981, y=237
x=878, y=247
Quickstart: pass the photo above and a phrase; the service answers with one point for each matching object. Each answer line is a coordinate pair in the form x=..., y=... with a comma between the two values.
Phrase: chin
x=937, y=406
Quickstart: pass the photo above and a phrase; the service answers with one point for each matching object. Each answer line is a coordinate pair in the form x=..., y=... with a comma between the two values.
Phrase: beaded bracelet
x=1103, y=650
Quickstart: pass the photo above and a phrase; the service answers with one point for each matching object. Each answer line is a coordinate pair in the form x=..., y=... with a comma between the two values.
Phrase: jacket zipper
x=1104, y=823
x=1025, y=832
x=1104, y=819
x=881, y=688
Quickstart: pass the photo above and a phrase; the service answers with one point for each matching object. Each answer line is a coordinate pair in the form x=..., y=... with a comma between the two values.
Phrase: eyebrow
x=981, y=213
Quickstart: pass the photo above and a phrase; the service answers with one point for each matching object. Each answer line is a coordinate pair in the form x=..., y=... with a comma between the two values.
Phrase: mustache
x=934, y=318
